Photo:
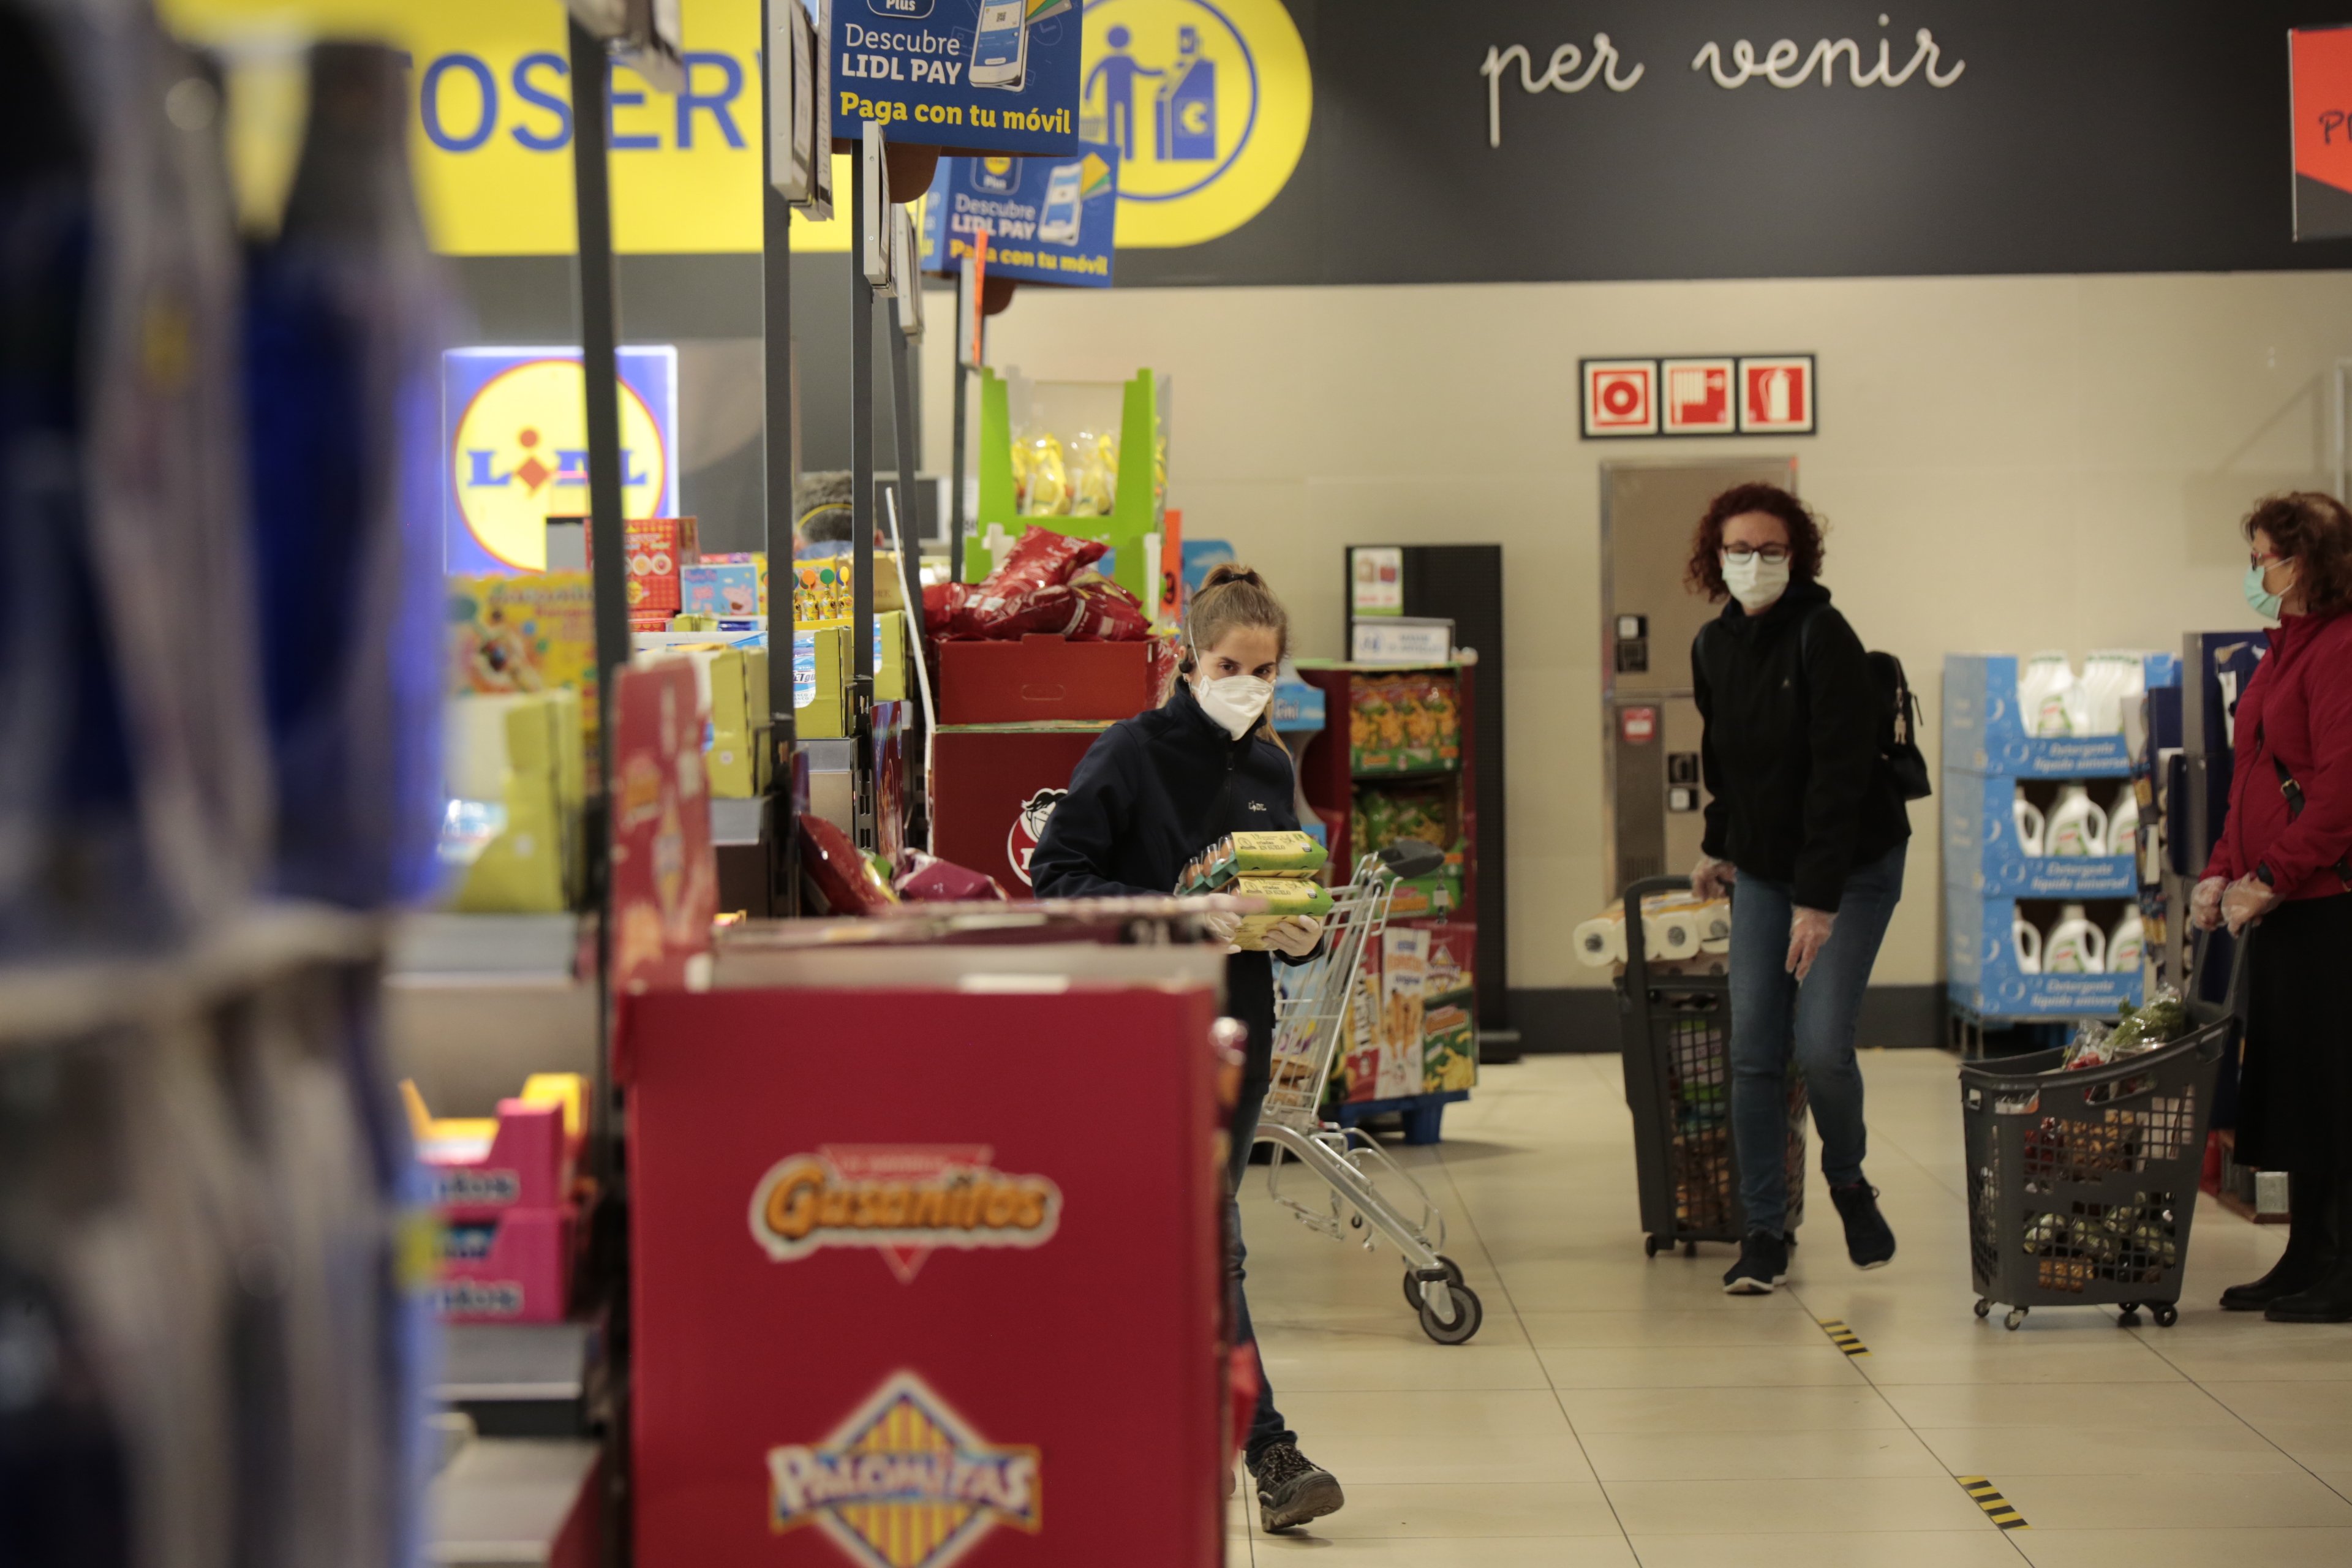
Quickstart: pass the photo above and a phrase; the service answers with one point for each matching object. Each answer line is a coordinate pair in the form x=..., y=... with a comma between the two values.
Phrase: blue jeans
x=1772, y=1017
x=1265, y=1424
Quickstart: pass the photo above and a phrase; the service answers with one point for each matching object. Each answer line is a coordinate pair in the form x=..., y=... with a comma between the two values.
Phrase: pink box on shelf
x=516, y=1268
x=525, y=1165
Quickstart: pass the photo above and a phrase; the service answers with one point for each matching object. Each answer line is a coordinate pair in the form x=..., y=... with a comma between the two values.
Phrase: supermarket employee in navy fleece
x=1150, y=795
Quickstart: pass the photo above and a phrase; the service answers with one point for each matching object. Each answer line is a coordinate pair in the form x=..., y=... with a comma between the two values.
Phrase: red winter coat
x=2298, y=711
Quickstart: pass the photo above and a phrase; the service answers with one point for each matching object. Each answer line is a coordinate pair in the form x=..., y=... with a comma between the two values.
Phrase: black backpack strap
x=2295, y=803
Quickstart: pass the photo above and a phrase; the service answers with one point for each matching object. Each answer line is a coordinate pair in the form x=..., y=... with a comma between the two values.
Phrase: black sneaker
x=1291, y=1489
x=1763, y=1263
x=1868, y=1241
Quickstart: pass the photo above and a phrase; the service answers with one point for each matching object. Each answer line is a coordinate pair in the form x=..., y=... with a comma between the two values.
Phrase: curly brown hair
x=1704, y=573
x=2313, y=530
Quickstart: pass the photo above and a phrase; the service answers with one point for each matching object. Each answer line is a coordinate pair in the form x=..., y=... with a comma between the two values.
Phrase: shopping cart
x=1309, y=1010
x=2081, y=1185
x=1676, y=1034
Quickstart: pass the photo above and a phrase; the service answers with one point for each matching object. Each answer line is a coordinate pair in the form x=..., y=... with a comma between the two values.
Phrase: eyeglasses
x=2262, y=563
x=1740, y=554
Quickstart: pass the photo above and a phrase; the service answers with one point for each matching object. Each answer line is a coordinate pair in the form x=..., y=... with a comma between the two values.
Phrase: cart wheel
x=2129, y=1317
x=1356, y=1222
x=2015, y=1320
x=1690, y=1249
x=1413, y=1286
x=2166, y=1315
x=1984, y=1307
x=1467, y=1315
x=1650, y=1244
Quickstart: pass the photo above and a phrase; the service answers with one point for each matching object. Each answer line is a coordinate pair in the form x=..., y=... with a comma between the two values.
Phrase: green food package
x=1375, y=821
x=1253, y=853
x=1285, y=896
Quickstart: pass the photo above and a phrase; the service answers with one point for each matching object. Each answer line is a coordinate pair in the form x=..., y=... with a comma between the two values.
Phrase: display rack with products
x=2042, y=897
x=1397, y=760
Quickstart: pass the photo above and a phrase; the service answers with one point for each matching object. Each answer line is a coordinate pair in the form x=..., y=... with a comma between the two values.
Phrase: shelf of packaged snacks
x=1432, y=922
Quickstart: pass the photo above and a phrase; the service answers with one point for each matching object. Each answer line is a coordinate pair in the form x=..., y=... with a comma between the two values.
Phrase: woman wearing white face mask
x=1806, y=830
x=1148, y=797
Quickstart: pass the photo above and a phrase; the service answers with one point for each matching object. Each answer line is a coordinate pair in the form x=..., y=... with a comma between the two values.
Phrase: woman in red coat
x=2284, y=868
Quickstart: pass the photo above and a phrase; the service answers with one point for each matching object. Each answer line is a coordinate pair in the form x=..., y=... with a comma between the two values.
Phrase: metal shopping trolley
x=1310, y=1008
x=2082, y=1185
x=1676, y=1034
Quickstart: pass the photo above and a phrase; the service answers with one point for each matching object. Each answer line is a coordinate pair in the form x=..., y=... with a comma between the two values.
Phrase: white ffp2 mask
x=1236, y=702
x=1755, y=582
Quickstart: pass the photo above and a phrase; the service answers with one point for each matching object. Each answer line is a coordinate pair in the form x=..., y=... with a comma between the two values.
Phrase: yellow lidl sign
x=1209, y=101
x=492, y=137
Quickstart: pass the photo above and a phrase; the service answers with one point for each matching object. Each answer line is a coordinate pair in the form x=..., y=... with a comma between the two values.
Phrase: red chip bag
x=842, y=876
x=1041, y=557
x=930, y=881
x=1107, y=612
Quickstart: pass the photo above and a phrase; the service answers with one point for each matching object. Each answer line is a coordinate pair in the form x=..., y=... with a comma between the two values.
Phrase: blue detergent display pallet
x=1983, y=734
x=1982, y=854
x=1981, y=965
x=1423, y=1114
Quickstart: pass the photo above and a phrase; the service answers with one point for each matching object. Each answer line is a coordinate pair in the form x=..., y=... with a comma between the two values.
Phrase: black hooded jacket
x=1147, y=797
x=1799, y=794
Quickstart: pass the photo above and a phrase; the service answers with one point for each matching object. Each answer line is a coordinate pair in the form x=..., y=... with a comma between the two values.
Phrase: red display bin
x=993, y=789
x=900, y=1302
x=516, y=1268
x=1044, y=679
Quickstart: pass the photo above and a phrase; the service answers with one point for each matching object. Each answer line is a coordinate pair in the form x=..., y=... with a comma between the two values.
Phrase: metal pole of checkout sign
x=965, y=305
x=908, y=537
x=861, y=503
x=607, y=555
x=778, y=826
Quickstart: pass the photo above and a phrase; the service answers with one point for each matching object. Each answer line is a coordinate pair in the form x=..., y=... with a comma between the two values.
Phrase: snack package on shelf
x=1095, y=480
x=1042, y=585
x=1417, y=723
x=1404, y=973
x=1444, y=704
x=1041, y=475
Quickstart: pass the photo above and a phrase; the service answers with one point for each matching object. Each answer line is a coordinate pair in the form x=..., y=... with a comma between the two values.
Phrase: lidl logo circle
x=520, y=455
x=1209, y=101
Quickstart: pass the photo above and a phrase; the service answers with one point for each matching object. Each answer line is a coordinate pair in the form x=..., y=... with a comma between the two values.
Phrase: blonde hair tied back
x=1232, y=596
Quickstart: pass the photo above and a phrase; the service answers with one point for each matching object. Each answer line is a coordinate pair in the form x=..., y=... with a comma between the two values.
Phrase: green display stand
x=1131, y=529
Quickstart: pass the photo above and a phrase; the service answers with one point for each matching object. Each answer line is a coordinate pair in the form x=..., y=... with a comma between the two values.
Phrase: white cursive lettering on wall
x=1775, y=66
x=1561, y=76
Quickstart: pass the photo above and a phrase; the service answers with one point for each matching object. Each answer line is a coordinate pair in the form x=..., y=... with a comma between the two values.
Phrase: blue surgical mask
x=2261, y=600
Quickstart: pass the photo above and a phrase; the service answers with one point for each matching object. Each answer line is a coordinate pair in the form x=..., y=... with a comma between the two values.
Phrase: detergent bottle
x=2077, y=826
x=2076, y=945
x=2122, y=825
x=2030, y=823
x=2041, y=693
x=2126, y=944
x=2026, y=937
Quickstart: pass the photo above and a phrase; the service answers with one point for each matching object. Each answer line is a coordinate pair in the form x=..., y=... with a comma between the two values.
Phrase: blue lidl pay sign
x=514, y=431
x=996, y=76
x=1047, y=220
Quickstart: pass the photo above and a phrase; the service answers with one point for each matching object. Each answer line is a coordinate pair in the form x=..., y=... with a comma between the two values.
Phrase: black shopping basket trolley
x=2082, y=1185
x=1675, y=1022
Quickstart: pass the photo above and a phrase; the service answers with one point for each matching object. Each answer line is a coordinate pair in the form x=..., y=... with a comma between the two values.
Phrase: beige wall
x=2006, y=464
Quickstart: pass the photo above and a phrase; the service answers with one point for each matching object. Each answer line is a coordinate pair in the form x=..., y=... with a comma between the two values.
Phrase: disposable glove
x=1295, y=937
x=2205, y=903
x=1712, y=878
x=1808, y=932
x=2248, y=899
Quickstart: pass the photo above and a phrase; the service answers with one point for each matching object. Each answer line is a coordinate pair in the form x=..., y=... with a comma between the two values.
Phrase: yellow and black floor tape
x=1995, y=1507
x=1845, y=1339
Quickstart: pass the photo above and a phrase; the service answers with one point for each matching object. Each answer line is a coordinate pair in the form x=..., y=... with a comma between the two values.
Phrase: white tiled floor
x=1617, y=1411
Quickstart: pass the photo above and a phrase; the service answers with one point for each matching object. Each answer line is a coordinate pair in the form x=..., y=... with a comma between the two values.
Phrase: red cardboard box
x=516, y=1268
x=993, y=790
x=1044, y=679
x=665, y=872
x=659, y=549
x=872, y=1261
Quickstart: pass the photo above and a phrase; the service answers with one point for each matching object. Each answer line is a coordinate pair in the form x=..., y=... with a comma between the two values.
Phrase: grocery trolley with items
x=1310, y=1009
x=2082, y=1182
x=1675, y=1017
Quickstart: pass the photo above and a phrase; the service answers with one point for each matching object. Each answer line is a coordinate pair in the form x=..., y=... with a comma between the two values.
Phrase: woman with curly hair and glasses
x=2283, y=867
x=1806, y=832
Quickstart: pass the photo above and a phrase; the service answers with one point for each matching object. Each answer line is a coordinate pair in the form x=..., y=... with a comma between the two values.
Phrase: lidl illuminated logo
x=903, y=1483
x=1208, y=103
x=518, y=448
